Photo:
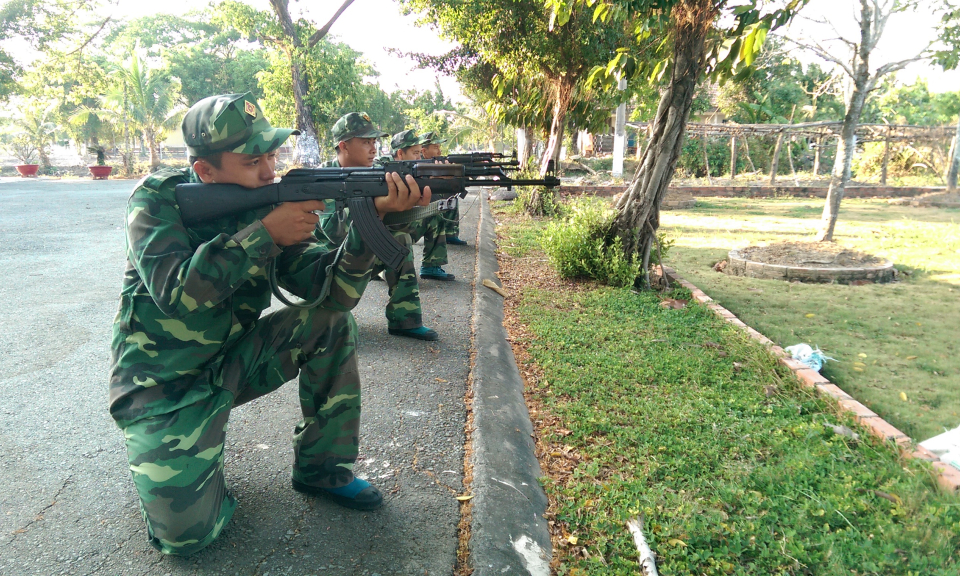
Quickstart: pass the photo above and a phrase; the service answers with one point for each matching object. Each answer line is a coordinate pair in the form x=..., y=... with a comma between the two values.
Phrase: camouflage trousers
x=177, y=458
x=403, y=310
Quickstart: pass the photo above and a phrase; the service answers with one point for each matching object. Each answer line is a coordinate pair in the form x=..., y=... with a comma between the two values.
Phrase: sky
x=374, y=26
x=368, y=26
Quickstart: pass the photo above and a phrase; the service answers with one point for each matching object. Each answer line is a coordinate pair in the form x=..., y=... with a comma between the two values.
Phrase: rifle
x=351, y=187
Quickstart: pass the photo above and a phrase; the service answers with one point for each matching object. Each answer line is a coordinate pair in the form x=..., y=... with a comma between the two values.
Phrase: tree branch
x=92, y=36
x=822, y=53
x=319, y=34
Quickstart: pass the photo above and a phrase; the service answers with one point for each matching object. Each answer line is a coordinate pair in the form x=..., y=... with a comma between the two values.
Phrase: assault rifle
x=347, y=187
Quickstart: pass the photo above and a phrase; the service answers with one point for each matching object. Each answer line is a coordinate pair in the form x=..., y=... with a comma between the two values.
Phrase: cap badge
x=249, y=108
x=367, y=118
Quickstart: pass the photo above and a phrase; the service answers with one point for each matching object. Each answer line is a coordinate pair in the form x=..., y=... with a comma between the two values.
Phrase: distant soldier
x=431, y=149
x=190, y=340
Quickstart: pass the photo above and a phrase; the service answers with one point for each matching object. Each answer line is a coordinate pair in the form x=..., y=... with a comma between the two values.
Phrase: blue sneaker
x=435, y=273
x=358, y=495
x=456, y=241
x=420, y=333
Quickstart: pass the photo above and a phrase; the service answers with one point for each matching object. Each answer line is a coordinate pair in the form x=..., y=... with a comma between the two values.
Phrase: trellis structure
x=818, y=132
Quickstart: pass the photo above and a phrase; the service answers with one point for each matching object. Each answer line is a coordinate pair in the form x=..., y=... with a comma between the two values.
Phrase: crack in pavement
x=23, y=529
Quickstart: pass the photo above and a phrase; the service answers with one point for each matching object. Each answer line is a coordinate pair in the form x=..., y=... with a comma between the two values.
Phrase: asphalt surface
x=67, y=503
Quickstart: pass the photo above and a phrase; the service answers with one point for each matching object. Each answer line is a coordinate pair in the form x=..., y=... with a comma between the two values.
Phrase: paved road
x=67, y=504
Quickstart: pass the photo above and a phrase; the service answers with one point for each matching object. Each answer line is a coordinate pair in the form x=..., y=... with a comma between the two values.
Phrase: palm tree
x=38, y=127
x=152, y=100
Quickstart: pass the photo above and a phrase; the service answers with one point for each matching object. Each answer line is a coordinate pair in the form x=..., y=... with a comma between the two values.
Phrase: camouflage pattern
x=230, y=123
x=431, y=138
x=404, y=310
x=355, y=125
x=404, y=139
x=189, y=343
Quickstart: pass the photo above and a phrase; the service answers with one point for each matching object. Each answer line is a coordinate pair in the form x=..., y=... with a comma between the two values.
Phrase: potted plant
x=100, y=171
x=22, y=148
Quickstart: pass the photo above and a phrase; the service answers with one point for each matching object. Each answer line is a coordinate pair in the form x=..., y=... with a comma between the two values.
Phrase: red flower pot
x=100, y=172
x=27, y=170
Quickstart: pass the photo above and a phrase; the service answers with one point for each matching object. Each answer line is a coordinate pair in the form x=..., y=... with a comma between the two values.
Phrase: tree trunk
x=308, y=148
x=954, y=162
x=816, y=157
x=775, y=162
x=886, y=158
x=733, y=157
x=638, y=209
x=563, y=93
x=746, y=150
x=148, y=135
x=524, y=147
x=842, y=165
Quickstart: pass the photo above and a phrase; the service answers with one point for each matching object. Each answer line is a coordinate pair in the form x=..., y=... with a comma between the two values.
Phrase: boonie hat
x=404, y=139
x=230, y=123
x=355, y=125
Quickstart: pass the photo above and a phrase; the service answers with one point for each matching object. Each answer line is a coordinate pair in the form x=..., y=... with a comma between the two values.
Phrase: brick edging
x=947, y=476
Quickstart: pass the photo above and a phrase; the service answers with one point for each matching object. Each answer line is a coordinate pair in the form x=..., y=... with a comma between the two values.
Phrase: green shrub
x=580, y=246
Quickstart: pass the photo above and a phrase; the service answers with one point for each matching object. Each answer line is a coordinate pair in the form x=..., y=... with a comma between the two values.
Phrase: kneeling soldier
x=189, y=341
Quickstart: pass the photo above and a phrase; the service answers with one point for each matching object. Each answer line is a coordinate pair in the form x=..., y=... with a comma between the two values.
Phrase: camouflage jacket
x=188, y=294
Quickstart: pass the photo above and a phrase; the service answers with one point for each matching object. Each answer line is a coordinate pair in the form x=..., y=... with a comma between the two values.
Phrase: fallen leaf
x=676, y=542
x=493, y=286
x=911, y=357
x=465, y=497
x=857, y=369
x=903, y=396
x=673, y=304
x=441, y=380
x=572, y=539
x=861, y=364
x=862, y=355
x=809, y=315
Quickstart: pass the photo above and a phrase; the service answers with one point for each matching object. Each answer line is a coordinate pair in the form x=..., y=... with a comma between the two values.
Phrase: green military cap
x=404, y=139
x=230, y=123
x=431, y=138
x=355, y=125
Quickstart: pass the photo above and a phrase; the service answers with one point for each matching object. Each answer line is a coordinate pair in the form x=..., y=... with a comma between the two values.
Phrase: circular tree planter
x=100, y=172
x=831, y=266
x=28, y=170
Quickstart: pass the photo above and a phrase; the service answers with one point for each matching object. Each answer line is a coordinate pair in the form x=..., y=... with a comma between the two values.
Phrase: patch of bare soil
x=953, y=198
x=810, y=255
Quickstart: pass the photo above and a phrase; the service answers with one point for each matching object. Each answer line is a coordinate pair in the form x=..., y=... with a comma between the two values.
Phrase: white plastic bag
x=812, y=358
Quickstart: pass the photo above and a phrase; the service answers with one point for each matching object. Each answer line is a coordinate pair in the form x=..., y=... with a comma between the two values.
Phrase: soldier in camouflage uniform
x=189, y=342
x=451, y=218
x=354, y=134
x=407, y=146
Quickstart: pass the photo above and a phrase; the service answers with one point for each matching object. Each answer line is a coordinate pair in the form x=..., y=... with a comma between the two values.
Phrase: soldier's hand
x=403, y=195
x=292, y=222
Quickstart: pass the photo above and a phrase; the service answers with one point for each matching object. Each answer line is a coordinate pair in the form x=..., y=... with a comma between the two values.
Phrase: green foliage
x=904, y=160
x=581, y=246
x=897, y=103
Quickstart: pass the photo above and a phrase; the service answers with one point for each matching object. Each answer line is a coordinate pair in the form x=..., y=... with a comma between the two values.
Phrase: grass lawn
x=896, y=344
x=676, y=417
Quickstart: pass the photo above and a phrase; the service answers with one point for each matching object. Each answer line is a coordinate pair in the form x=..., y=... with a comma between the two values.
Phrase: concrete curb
x=947, y=476
x=508, y=534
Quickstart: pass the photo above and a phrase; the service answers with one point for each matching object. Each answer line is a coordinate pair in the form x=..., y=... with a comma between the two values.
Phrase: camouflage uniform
x=189, y=342
x=451, y=218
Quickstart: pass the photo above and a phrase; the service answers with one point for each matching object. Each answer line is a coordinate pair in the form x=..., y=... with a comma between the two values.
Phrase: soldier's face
x=247, y=170
x=411, y=153
x=358, y=152
x=431, y=151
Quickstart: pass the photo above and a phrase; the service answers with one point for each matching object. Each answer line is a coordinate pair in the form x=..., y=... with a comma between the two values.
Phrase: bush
x=904, y=160
x=580, y=246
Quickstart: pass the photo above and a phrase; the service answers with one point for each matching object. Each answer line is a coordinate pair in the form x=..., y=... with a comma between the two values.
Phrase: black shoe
x=456, y=241
x=421, y=333
x=358, y=495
